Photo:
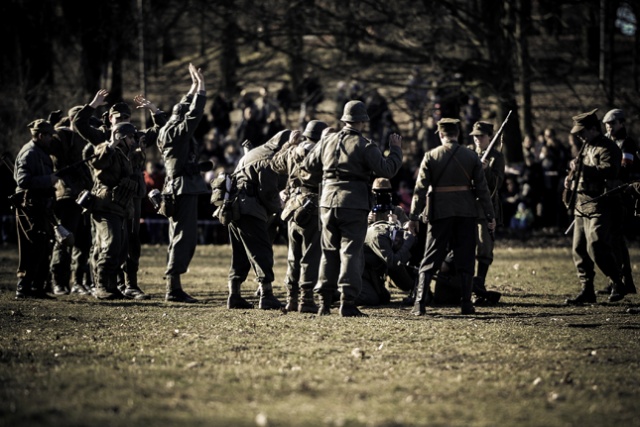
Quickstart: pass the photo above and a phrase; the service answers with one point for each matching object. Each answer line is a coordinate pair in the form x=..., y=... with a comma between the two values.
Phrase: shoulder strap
x=453, y=153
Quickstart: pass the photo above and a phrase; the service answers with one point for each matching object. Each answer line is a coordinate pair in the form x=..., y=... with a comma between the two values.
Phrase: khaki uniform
x=494, y=175
x=180, y=153
x=453, y=219
x=66, y=150
x=259, y=200
x=594, y=221
x=347, y=161
x=387, y=249
x=33, y=168
x=113, y=189
x=304, y=251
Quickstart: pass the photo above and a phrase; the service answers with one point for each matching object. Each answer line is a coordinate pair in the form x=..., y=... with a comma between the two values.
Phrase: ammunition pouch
x=228, y=211
x=305, y=213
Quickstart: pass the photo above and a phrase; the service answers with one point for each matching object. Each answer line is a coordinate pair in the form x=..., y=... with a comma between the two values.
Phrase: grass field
x=530, y=361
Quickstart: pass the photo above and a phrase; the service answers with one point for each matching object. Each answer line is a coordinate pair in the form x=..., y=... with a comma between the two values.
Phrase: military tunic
x=347, y=161
x=592, y=232
x=259, y=200
x=32, y=173
x=494, y=175
x=66, y=151
x=113, y=189
x=387, y=249
x=304, y=251
x=458, y=182
x=180, y=153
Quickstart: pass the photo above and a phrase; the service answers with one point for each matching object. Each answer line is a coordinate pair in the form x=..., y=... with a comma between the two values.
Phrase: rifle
x=613, y=191
x=495, y=137
x=75, y=164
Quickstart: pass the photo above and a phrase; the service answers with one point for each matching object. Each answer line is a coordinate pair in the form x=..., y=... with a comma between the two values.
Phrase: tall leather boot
x=102, y=289
x=175, y=292
x=617, y=291
x=484, y=296
x=348, y=308
x=23, y=289
x=235, y=300
x=422, y=292
x=586, y=295
x=466, y=306
x=131, y=288
x=307, y=303
x=292, y=298
x=268, y=301
x=326, y=299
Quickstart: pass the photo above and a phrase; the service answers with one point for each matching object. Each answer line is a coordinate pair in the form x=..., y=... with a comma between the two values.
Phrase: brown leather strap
x=451, y=188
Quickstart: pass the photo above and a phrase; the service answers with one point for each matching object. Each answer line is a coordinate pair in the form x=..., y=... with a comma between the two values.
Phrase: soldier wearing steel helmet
x=347, y=161
x=113, y=188
x=301, y=214
x=183, y=184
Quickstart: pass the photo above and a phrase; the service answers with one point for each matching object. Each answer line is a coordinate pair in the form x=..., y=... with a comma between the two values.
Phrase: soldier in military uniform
x=453, y=175
x=183, y=183
x=35, y=179
x=68, y=261
x=301, y=214
x=493, y=166
x=387, y=250
x=251, y=245
x=113, y=188
x=629, y=170
x=121, y=113
x=347, y=161
x=593, y=172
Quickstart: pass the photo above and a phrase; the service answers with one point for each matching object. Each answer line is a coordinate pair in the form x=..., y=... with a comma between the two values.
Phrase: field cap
x=482, y=128
x=448, y=126
x=585, y=121
x=41, y=126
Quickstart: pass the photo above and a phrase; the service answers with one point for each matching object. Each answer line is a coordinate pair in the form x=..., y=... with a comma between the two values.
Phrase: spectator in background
x=378, y=109
x=311, y=95
x=522, y=221
x=221, y=109
x=471, y=113
x=284, y=96
x=156, y=224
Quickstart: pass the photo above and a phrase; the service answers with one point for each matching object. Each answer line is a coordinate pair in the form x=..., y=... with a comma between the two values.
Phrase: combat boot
x=23, y=289
x=175, y=292
x=422, y=290
x=326, y=299
x=268, y=301
x=617, y=291
x=235, y=300
x=484, y=297
x=292, y=299
x=131, y=289
x=307, y=304
x=586, y=296
x=466, y=306
x=348, y=308
x=101, y=291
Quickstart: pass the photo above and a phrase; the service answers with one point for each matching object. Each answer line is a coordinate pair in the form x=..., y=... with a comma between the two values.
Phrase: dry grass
x=530, y=361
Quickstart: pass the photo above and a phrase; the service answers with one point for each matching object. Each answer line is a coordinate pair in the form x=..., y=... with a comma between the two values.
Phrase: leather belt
x=451, y=188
